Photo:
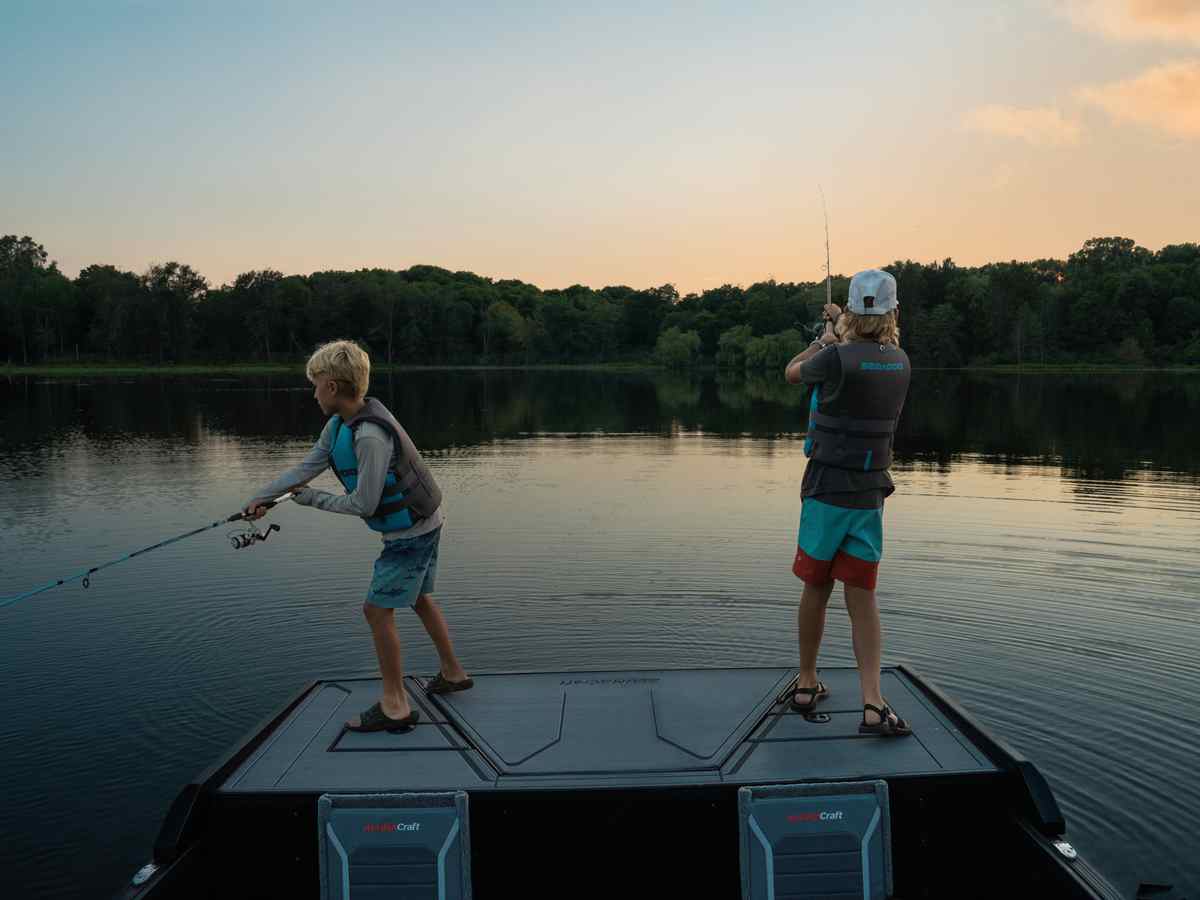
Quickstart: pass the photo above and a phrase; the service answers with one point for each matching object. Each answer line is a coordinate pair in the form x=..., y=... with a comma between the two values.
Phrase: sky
x=561, y=143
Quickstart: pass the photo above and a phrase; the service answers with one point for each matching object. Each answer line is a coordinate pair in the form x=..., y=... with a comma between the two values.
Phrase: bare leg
x=868, y=644
x=811, y=627
x=435, y=625
x=394, y=700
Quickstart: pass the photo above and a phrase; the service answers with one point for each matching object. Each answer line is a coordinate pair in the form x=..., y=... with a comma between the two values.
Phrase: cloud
x=1042, y=126
x=1175, y=21
x=1166, y=97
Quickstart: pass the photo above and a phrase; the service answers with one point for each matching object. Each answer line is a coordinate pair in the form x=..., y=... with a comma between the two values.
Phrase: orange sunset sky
x=558, y=143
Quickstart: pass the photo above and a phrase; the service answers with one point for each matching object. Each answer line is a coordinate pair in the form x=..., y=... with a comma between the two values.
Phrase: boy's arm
x=796, y=372
x=313, y=464
x=813, y=366
x=373, y=450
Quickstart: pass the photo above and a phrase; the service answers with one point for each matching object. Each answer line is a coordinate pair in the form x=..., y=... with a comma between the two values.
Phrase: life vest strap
x=855, y=434
x=837, y=423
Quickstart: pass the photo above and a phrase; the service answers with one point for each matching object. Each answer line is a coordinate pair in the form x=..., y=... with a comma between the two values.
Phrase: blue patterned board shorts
x=406, y=569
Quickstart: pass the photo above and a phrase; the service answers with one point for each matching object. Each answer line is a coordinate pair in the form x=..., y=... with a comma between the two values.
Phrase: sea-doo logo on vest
x=825, y=815
x=391, y=826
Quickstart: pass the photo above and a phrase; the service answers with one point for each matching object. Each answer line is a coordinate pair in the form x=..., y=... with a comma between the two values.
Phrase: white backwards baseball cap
x=872, y=293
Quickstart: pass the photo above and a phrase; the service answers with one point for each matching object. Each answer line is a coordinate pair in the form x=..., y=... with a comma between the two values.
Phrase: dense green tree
x=505, y=331
x=114, y=300
x=174, y=289
x=772, y=352
x=731, y=348
x=22, y=267
x=1182, y=319
x=939, y=337
x=1085, y=308
x=677, y=349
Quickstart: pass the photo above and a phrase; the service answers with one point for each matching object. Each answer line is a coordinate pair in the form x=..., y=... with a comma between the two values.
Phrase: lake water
x=1041, y=565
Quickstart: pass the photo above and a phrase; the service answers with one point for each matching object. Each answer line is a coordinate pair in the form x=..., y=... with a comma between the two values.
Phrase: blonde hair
x=343, y=361
x=883, y=329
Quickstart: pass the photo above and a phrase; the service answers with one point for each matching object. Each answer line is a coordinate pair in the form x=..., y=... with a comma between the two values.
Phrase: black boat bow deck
x=587, y=783
x=603, y=729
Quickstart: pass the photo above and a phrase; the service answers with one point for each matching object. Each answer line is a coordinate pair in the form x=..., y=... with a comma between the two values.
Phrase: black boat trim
x=1078, y=871
x=180, y=823
x=1042, y=808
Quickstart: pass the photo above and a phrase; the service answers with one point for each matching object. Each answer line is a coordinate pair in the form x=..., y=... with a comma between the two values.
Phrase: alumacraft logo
x=825, y=815
x=616, y=681
x=392, y=826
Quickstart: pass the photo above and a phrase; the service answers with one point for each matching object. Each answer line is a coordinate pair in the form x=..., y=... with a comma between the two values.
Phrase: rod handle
x=270, y=504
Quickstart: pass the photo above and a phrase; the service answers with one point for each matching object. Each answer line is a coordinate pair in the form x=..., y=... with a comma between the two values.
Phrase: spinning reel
x=250, y=536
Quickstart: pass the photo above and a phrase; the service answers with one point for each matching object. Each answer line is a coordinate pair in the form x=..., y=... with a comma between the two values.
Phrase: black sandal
x=375, y=719
x=889, y=724
x=440, y=685
x=815, y=696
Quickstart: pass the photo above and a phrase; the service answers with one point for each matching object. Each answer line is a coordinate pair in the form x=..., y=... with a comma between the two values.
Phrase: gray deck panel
x=581, y=781
x=836, y=750
x=951, y=747
x=425, y=736
x=312, y=748
x=295, y=735
x=835, y=759
x=614, y=722
x=701, y=723
x=380, y=771
x=602, y=730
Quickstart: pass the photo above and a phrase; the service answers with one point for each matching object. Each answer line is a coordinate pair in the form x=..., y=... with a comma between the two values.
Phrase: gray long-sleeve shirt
x=373, y=449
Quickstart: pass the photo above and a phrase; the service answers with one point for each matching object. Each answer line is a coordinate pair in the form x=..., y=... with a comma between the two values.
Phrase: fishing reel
x=250, y=536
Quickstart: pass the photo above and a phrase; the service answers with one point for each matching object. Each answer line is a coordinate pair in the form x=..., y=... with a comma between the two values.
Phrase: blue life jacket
x=851, y=425
x=409, y=492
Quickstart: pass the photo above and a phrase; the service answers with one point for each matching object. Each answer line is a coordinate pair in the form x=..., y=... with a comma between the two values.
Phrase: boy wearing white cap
x=859, y=377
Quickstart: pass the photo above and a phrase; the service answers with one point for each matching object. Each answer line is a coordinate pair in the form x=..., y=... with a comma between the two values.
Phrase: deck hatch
x=376, y=846
x=815, y=841
x=549, y=724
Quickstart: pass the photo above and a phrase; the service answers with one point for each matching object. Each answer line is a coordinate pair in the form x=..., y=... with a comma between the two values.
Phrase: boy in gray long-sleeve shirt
x=373, y=447
x=390, y=488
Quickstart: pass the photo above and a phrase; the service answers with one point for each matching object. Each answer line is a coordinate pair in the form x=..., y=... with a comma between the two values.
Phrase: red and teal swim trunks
x=836, y=542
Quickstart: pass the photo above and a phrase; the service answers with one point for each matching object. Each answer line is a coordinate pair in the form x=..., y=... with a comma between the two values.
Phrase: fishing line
x=240, y=539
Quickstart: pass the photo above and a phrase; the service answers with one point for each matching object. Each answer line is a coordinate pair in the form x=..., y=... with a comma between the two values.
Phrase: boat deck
x=603, y=730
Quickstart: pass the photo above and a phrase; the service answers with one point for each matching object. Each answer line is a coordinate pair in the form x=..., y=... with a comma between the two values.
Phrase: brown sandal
x=815, y=696
x=889, y=724
x=375, y=719
x=440, y=685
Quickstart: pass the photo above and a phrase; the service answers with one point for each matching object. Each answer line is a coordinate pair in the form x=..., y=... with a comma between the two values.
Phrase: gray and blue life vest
x=853, y=424
x=409, y=492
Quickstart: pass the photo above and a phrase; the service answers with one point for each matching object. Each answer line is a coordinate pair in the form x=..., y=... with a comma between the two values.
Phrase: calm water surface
x=1041, y=565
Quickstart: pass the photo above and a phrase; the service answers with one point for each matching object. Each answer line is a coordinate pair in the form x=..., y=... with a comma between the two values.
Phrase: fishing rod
x=818, y=327
x=242, y=539
x=828, y=269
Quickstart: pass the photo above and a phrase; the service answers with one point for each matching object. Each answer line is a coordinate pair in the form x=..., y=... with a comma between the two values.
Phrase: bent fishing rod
x=240, y=539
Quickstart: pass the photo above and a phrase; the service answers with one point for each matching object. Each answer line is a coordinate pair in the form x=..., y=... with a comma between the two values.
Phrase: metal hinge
x=1066, y=849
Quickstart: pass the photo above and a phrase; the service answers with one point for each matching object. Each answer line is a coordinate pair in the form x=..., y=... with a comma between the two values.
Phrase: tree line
x=1111, y=301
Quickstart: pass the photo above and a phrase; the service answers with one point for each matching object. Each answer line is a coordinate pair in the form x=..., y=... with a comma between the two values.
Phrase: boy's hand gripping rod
x=242, y=541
